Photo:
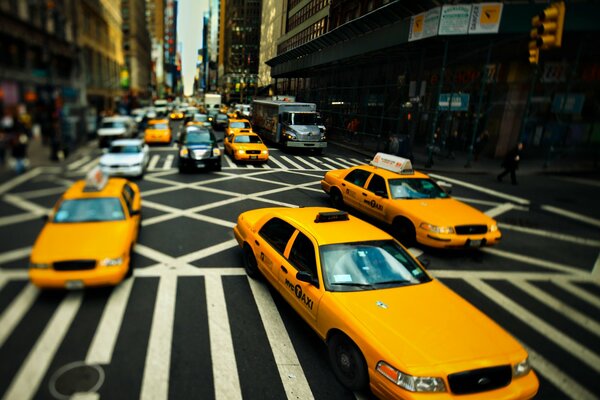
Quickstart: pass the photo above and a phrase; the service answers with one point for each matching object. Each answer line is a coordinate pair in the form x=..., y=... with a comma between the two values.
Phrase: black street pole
x=436, y=108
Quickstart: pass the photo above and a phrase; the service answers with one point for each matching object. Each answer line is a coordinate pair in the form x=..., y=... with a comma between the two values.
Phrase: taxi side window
x=128, y=195
x=377, y=184
x=357, y=177
x=302, y=255
x=277, y=233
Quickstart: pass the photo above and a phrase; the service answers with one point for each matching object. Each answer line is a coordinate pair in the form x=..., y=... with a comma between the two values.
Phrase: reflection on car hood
x=111, y=131
x=427, y=324
x=203, y=145
x=121, y=159
x=444, y=212
x=306, y=128
x=74, y=241
x=250, y=146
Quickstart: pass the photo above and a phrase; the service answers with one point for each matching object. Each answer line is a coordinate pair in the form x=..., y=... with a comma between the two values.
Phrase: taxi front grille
x=480, y=380
x=252, y=151
x=471, y=229
x=74, y=265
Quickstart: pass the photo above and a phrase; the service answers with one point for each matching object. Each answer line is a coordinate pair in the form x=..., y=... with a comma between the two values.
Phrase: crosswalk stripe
x=230, y=163
x=310, y=165
x=279, y=164
x=155, y=384
x=225, y=373
x=320, y=161
x=32, y=371
x=250, y=166
x=15, y=254
x=560, y=307
x=335, y=162
x=358, y=162
x=88, y=167
x=6, y=186
x=534, y=261
x=153, y=162
x=577, y=350
x=345, y=163
x=288, y=160
x=290, y=371
x=578, y=292
x=15, y=312
x=168, y=162
x=103, y=344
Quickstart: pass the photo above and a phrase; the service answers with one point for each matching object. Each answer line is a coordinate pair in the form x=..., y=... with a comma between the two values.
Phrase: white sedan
x=125, y=157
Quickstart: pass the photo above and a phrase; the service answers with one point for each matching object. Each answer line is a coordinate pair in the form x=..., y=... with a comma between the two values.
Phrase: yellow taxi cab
x=158, y=131
x=89, y=235
x=388, y=324
x=237, y=125
x=413, y=204
x=246, y=146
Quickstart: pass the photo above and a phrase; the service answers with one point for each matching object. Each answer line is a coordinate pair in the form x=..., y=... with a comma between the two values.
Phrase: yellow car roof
x=239, y=120
x=158, y=121
x=392, y=175
x=113, y=188
x=351, y=230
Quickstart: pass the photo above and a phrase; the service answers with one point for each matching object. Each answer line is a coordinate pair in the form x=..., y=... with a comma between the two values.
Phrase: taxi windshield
x=368, y=265
x=125, y=149
x=237, y=125
x=89, y=210
x=159, y=126
x=415, y=188
x=247, y=139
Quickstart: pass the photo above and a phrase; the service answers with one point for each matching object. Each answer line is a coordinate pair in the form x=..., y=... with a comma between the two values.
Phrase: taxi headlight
x=411, y=383
x=183, y=152
x=241, y=152
x=265, y=151
x=39, y=265
x=111, y=262
x=522, y=368
x=437, y=229
x=216, y=152
x=493, y=228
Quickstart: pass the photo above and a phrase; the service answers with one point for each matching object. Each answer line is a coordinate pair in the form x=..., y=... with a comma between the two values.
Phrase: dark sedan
x=220, y=121
x=198, y=148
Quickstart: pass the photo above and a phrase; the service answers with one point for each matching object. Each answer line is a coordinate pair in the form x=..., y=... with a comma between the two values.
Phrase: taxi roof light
x=393, y=163
x=331, y=216
x=95, y=180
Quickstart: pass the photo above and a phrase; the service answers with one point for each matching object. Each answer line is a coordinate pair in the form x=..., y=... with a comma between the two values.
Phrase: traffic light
x=547, y=30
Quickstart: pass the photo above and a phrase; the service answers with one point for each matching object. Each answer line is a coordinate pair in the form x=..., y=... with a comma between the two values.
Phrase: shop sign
x=460, y=102
x=455, y=19
x=424, y=25
x=571, y=104
x=485, y=18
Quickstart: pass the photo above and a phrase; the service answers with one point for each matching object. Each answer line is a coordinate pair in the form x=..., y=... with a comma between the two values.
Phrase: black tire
x=337, y=200
x=129, y=272
x=218, y=166
x=250, y=263
x=404, y=231
x=347, y=362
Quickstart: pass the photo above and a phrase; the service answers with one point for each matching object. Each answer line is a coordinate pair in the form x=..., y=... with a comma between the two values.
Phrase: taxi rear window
x=90, y=210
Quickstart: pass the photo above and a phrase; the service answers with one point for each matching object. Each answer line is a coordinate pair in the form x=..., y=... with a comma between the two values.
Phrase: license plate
x=475, y=243
x=200, y=164
x=74, y=284
x=253, y=157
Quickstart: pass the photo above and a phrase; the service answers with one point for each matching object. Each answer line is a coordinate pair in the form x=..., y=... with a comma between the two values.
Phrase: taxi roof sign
x=393, y=163
x=95, y=180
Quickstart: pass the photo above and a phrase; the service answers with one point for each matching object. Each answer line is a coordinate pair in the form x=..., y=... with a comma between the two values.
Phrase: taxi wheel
x=404, y=231
x=337, y=200
x=129, y=272
x=250, y=264
x=347, y=362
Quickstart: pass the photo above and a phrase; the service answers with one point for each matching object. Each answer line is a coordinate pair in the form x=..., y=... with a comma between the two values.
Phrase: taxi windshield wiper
x=355, y=284
x=392, y=282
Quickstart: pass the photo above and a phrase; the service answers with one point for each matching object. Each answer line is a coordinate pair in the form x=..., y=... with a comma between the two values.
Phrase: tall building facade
x=155, y=16
x=170, y=49
x=213, y=46
x=136, y=50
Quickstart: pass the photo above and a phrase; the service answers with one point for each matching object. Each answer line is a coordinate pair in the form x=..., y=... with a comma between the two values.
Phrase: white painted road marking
x=570, y=214
x=481, y=189
x=153, y=162
x=15, y=312
x=535, y=261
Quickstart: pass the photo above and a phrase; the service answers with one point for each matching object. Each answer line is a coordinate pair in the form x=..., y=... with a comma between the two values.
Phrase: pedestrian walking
x=511, y=164
x=19, y=152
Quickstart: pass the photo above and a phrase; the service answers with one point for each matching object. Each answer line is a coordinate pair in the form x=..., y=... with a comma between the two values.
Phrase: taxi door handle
x=284, y=269
x=364, y=194
x=343, y=184
x=256, y=241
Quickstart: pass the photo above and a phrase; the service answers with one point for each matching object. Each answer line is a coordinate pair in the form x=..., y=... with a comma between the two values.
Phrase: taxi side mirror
x=447, y=187
x=135, y=212
x=304, y=276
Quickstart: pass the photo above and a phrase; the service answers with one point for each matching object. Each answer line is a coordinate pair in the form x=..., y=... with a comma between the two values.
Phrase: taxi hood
x=90, y=240
x=427, y=325
x=445, y=212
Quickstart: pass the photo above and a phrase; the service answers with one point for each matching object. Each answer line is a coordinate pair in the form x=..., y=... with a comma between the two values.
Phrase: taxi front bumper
x=250, y=157
x=99, y=276
x=157, y=138
x=457, y=241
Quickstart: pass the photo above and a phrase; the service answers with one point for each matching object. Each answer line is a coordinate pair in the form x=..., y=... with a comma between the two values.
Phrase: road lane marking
x=310, y=165
x=344, y=163
x=74, y=165
x=209, y=251
x=25, y=204
x=11, y=184
x=551, y=235
x=153, y=162
x=562, y=340
x=103, y=343
x=560, y=307
x=578, y=292
x=320, y=161
x=502, y=275
x=358, y=162
x=41, y=192
x=562, y=381
x=89, y=166
x=491, y=192
x=596, y=269
x=249, y=166
x=287, y=159
x=225, y=373
x=155, y=383
x=535, y=261
x=17, y=309
x=16, y=254
x=582, y=181
x=32, y=371
x=569, y=214
x=499, y=210
x=228, y=161
x=290, y=370
x=279, y=164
